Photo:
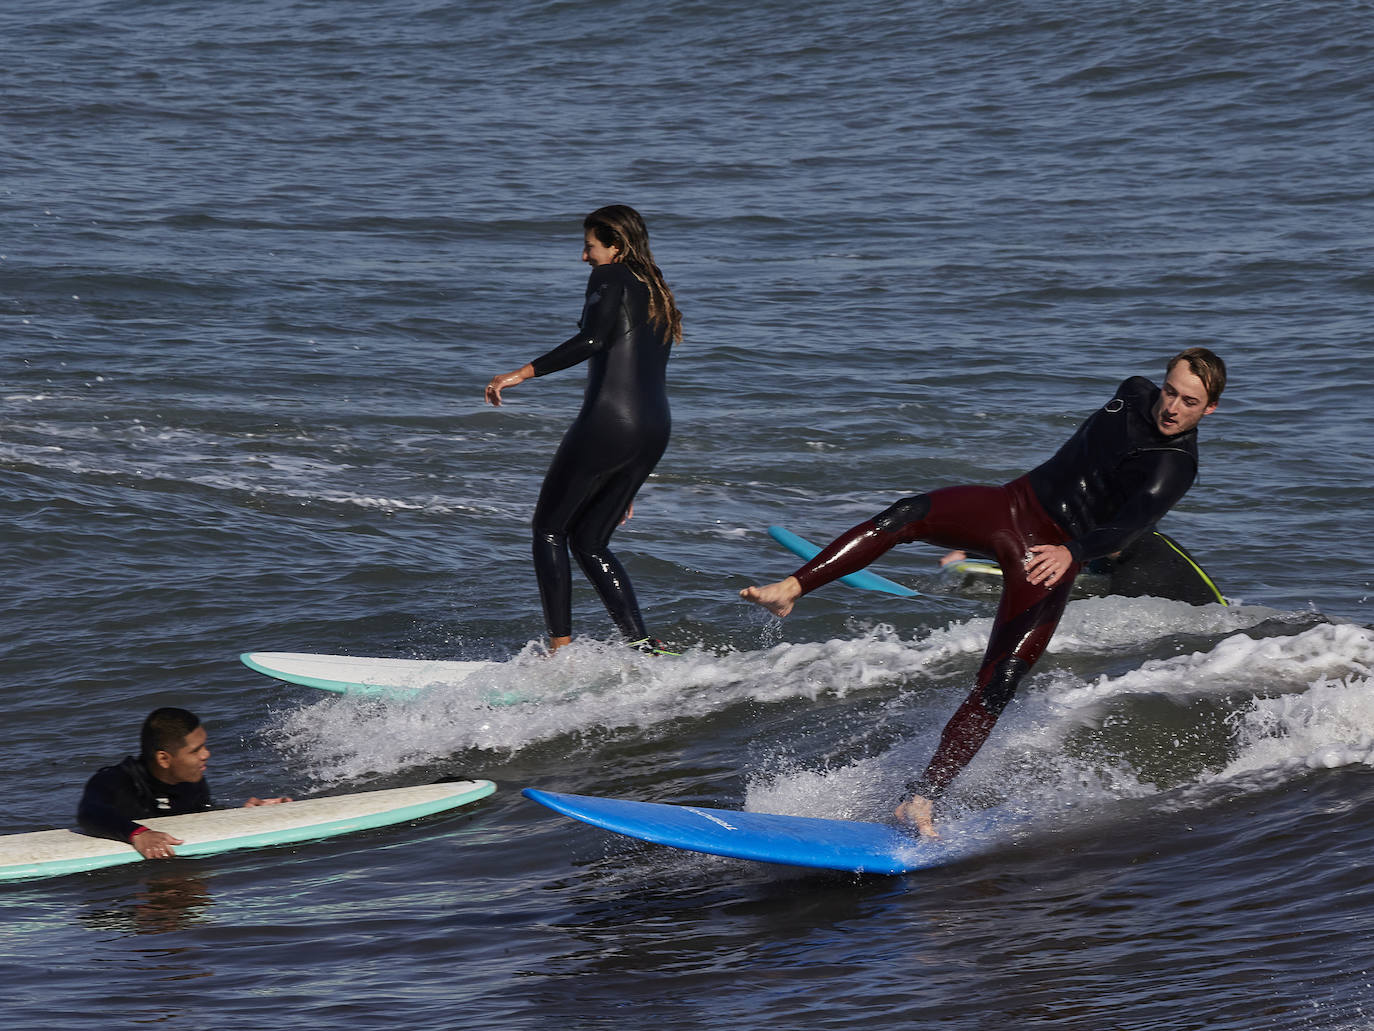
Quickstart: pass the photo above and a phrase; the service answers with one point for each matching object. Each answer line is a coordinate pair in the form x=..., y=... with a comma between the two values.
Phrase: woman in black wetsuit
x=629, y=323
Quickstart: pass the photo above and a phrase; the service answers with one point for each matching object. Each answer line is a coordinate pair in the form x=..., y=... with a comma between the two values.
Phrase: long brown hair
x=621, y=226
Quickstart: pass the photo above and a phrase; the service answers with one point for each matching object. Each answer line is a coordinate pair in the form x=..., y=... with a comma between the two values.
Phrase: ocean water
x=258, y=261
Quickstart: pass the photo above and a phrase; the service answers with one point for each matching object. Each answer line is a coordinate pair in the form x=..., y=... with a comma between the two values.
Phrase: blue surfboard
x=863, y=579
x=809, y=841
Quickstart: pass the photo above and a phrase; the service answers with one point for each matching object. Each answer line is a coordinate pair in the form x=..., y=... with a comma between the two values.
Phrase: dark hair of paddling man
x=166, y=779
x=1121, y=471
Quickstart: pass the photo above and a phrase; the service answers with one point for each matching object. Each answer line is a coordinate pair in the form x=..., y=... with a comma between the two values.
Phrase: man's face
x=187, y=763
x=1182, y=401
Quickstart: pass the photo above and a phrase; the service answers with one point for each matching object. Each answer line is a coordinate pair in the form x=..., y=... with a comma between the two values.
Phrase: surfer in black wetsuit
x=166, y=779
x=1124, y=468
x=628, y=326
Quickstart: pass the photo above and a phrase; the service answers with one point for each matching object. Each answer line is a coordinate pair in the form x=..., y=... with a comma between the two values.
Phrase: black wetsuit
x=117, y=797
x=607, y=453
x=1117, y=475
x=1113, y=479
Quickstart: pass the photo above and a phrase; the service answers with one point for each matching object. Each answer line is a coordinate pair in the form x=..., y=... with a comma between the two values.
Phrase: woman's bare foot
x=777, y=598
x=918, y=812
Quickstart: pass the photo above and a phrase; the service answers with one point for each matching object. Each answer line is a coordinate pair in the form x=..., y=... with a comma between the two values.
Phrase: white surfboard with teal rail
x=55, y=852
x=360, y=674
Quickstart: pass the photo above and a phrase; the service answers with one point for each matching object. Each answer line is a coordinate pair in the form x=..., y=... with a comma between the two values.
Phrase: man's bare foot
x=918, y=812
x=777, y=598
x=558, y=642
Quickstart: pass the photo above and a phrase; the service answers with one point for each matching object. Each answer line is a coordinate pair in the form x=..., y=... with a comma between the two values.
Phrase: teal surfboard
x=358, y=674
x=55, y=852
x=853, y=845
x=863, y=579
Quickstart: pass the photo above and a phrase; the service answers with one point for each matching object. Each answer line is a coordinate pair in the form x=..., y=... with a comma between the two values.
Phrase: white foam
x=1299, y=703
x=861, y=790
x=1106, y=624
x=592, y=689
x=1328, y=726
x=1240, y=661
x=589, y=687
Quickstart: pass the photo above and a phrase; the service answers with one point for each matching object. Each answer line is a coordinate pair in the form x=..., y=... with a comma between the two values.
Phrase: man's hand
x=151, y=844
x=1047, y=563
x=265, y=801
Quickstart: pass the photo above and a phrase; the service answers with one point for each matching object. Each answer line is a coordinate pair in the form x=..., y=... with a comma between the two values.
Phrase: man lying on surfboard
x=167, y=778
x=1121, y=471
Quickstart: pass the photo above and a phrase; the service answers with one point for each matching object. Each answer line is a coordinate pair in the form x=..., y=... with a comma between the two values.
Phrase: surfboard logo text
x=711, y=817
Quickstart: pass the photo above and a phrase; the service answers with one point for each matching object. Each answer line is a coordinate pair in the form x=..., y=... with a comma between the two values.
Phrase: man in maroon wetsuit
x=1121, y=471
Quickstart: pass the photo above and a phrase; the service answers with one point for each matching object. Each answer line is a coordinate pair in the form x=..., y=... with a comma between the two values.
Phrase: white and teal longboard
x=55, y=852
x=389, y=678
x=357, y=674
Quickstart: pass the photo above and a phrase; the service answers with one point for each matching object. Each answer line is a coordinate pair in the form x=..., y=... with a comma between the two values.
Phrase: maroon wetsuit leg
x=1027, y=616
x=953, y=517
x=1004, y=522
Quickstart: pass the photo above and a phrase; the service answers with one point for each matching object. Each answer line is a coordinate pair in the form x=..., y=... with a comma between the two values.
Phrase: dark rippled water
x=258, y=261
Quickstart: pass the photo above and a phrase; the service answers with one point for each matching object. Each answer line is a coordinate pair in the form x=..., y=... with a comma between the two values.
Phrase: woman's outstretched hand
x=507, y=379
